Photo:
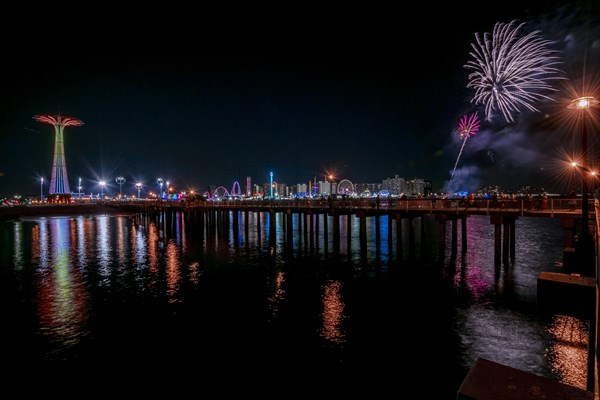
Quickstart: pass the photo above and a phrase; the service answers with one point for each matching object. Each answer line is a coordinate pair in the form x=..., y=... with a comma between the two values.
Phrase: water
x=105, y=288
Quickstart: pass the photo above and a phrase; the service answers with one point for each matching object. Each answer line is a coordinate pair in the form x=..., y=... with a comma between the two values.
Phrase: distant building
x=302, y=189
x=396, y=185
x=360, y=188
x=415, y=186
x=248, y=186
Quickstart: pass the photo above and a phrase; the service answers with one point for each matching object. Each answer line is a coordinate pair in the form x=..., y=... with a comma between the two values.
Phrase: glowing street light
x=120, y=180
x=586, y=248
x=42, y=188
x=138, y=186
x=102, y=184
x=160, y=184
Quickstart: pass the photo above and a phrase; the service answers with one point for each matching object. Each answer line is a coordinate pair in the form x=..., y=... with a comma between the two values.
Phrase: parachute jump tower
x=59, y=182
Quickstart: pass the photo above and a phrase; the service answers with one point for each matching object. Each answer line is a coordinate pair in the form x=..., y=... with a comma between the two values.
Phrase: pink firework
x=468, y=125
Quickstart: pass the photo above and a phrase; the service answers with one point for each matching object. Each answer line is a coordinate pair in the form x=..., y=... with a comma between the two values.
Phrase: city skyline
x=212, y=108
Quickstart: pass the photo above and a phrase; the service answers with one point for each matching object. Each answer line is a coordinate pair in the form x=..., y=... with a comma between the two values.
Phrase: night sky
x=211, y=108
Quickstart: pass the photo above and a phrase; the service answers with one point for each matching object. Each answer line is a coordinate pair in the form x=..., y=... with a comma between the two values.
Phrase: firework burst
x=467, y=127
x=510, y=71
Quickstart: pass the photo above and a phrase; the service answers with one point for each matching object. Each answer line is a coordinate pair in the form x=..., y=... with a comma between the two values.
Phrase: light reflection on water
x=62, y=296
x=333, y=312
x=108, y=279
x=568, y=349
x=499, y=322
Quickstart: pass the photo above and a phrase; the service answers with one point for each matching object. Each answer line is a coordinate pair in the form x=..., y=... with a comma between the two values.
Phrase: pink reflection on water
x=333, y=312
x=568, y=352
x=474, y=279
x=62, y=298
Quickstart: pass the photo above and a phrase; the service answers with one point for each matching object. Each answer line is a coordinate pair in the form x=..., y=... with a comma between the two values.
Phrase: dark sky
x=211, y=108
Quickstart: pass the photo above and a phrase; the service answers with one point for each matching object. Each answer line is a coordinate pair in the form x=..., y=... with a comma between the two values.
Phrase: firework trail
x=467, y=126
x=510, y=70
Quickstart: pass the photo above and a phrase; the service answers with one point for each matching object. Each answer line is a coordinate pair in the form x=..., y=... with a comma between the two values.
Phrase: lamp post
x=138, y=186
x=120, y=180
x=102, y=184
x=160, y=184
x=42, y=188
x=585, y=244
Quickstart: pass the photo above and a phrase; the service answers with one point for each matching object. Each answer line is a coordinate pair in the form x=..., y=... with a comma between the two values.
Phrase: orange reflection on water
x=278, y=293
x=568, y=351
x=173, y=272
x=333, y=312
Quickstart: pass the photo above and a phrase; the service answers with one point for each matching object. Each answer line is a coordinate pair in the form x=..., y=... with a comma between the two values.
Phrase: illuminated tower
x=59, y=182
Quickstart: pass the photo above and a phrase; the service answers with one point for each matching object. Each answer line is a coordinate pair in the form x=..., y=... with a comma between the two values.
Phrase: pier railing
x=477, y=206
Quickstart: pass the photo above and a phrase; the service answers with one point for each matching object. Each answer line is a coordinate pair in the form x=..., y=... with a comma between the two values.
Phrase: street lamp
x=160, y=184
x=138, y=186
x=120, y=180
x=586, y=246
x=102, y=184
x=42, y=188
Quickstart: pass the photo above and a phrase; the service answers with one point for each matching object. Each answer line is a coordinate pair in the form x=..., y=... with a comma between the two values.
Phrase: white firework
x=510, y=71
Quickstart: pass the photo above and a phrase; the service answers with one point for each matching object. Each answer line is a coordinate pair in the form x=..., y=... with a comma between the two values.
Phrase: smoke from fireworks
x=510, y=71
x=467, y=126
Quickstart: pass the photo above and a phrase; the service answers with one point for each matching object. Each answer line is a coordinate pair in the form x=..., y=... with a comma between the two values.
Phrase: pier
x=324, y=215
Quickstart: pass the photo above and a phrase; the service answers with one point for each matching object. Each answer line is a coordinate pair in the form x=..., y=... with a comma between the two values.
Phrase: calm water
x=108, y=288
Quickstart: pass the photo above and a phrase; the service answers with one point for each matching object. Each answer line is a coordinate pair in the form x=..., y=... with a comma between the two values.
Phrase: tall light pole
x=120, y=180
x=586, y=245
x=160, y=184
x=79, y=187
x=138, y=186
x=271, y=182
x=102, y=184
x=42, y=188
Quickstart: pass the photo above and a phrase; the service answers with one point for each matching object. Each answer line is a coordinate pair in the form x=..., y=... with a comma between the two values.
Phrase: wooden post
x=505, y=245
x=454, y=237
x=246, y=224
x=377, y=235
x=442, y=237
x=258, y=230
x=325, y=233
x=399, y=249
x=463, y=234
x=363, y=232
x=513, y=231
x=496, y=220
x=290, y=227
x=390, y=232
x=349, y=233
x=336, y=233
